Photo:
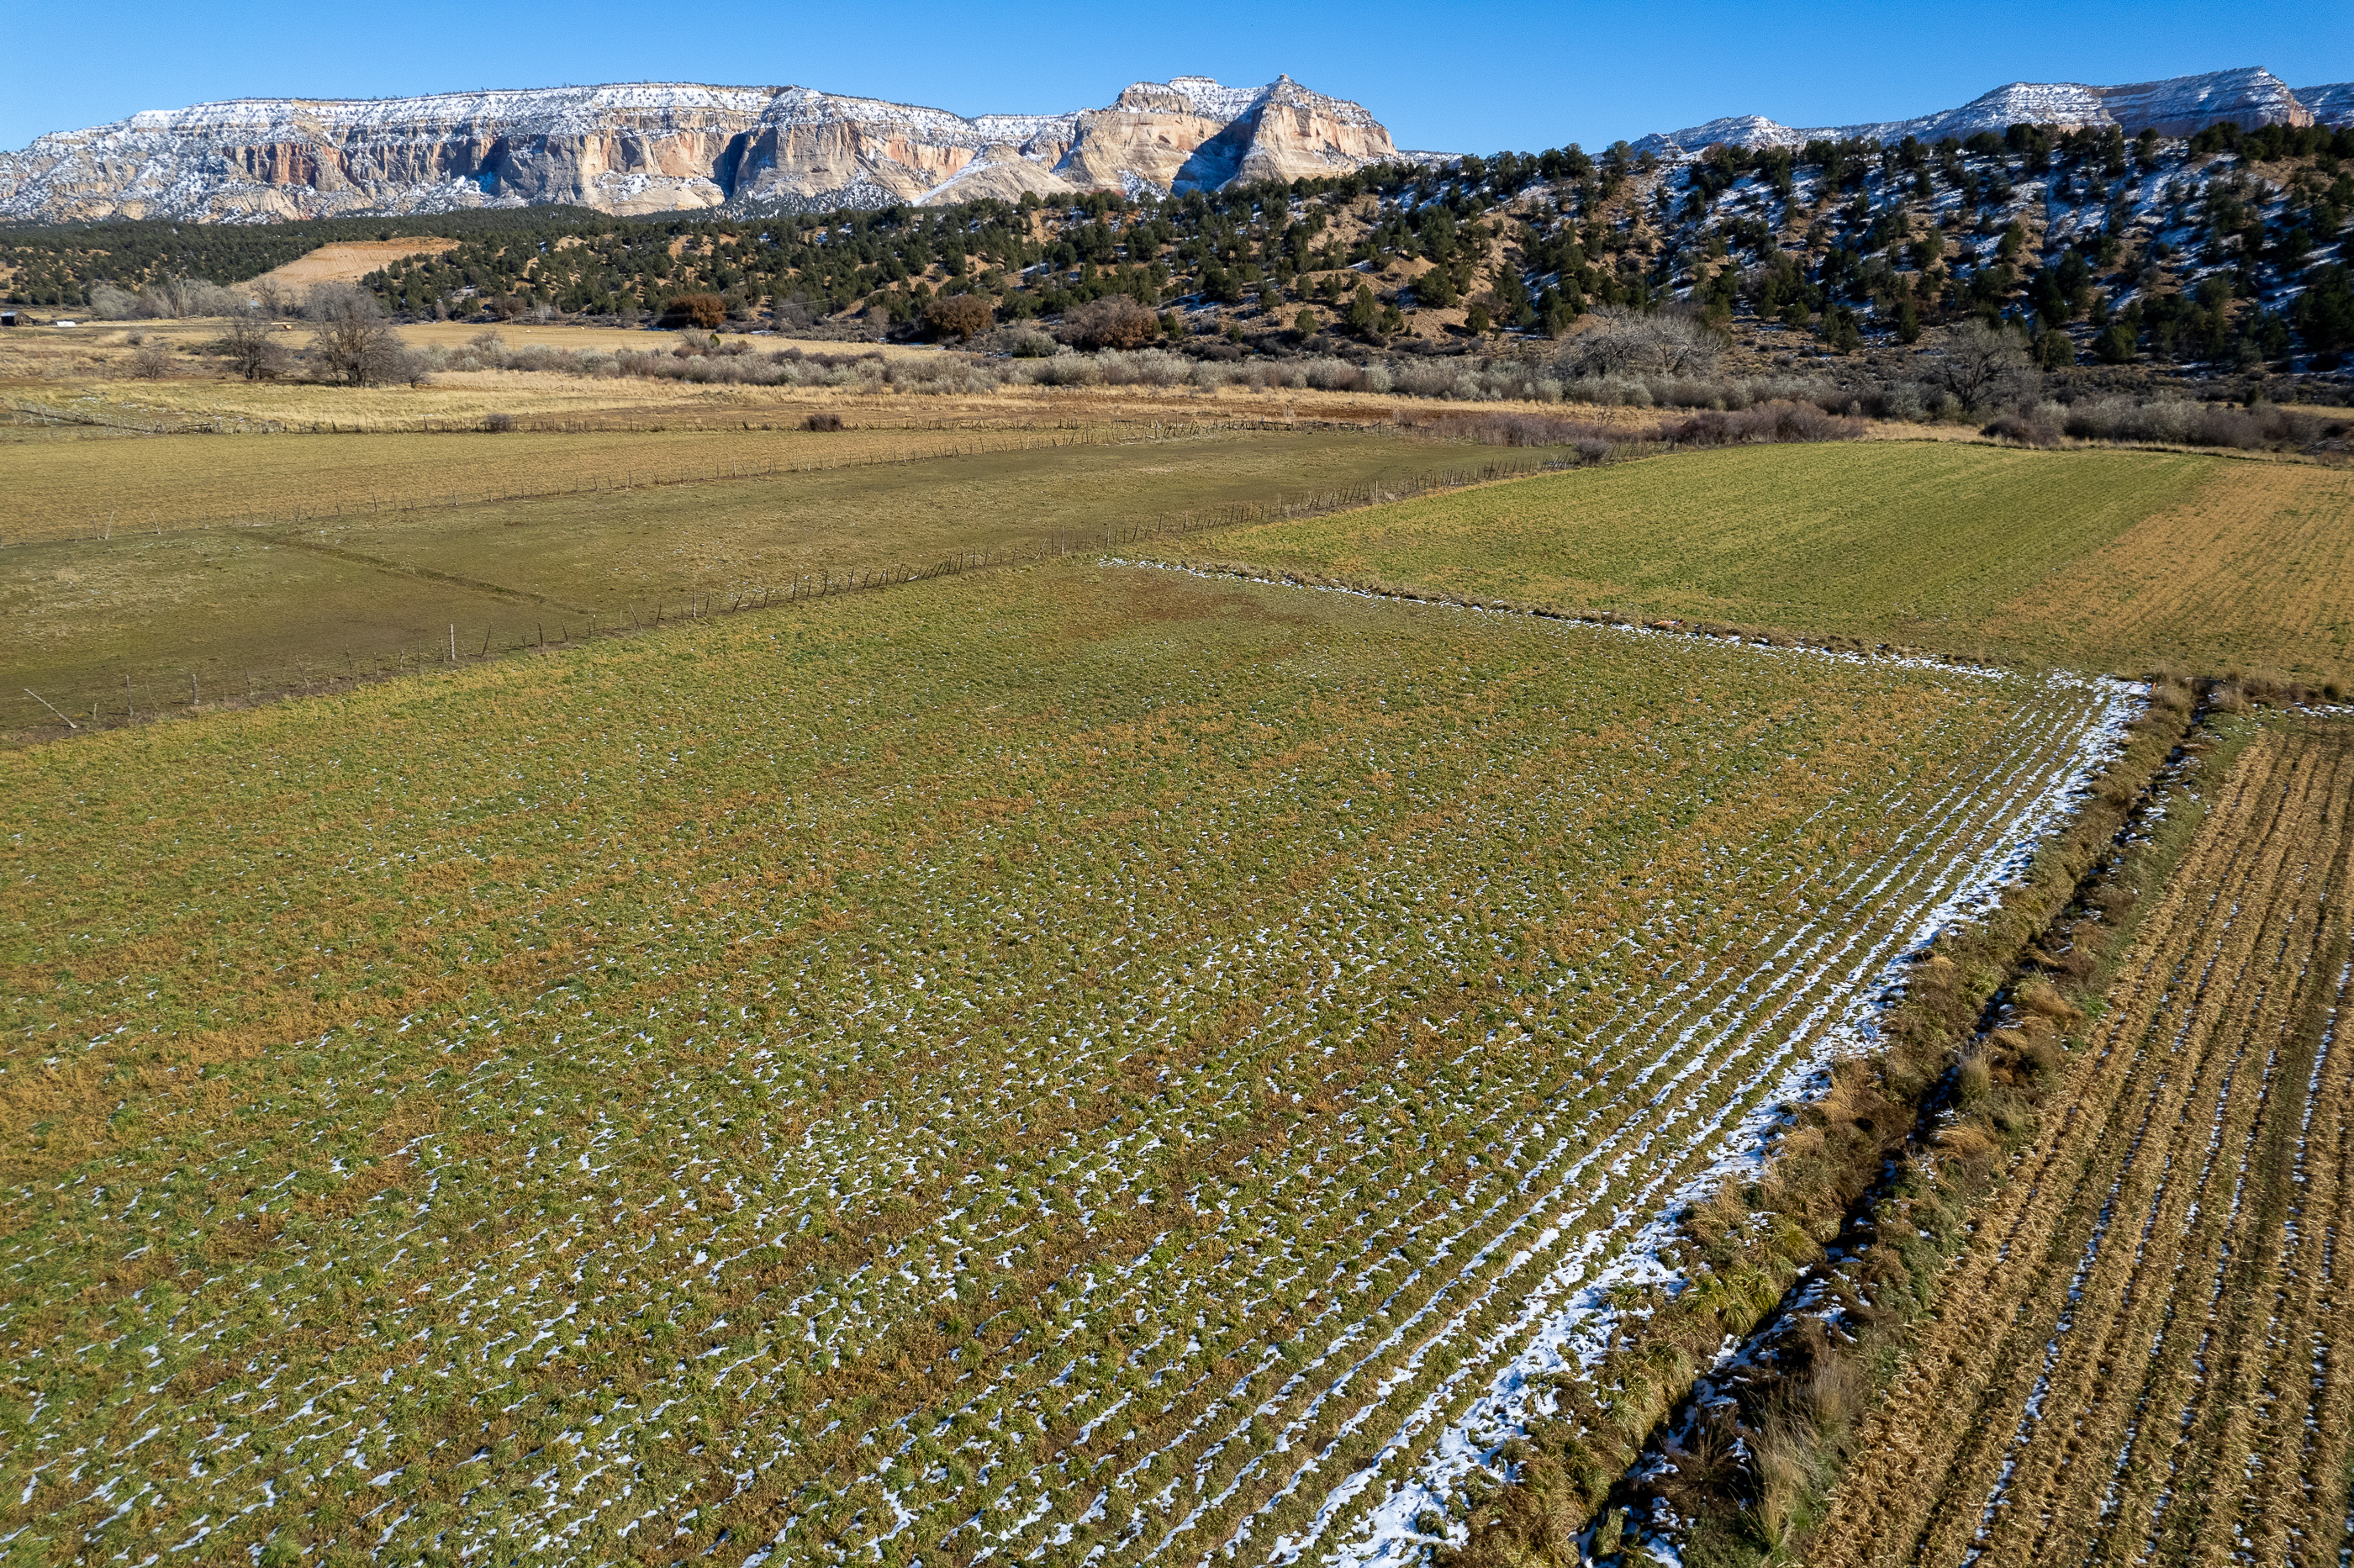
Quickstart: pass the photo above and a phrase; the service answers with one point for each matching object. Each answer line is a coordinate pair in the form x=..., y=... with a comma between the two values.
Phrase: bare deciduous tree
x=354, y=344
x=181, y=296
x=1982, y=364
x=1621, y=342
x=253, y=349
x=110, y=303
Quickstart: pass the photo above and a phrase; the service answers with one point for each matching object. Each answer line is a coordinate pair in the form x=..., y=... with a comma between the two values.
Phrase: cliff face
x=665, y=148
x=2331, y=105
x=2178, y=107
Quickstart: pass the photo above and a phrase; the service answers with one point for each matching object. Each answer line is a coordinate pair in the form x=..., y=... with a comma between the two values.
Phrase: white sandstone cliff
x=666, y=147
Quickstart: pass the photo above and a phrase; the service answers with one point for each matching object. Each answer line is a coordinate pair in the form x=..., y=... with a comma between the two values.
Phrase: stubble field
x=1076, y=1064
x=2143, y=1359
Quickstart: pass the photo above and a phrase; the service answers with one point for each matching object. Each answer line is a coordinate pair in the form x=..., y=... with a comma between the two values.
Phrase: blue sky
x=1467, y=77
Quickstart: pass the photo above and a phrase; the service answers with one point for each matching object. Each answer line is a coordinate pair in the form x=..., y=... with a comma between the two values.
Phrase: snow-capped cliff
x=2177, y=107
x=2331, y=105
x=665, y=146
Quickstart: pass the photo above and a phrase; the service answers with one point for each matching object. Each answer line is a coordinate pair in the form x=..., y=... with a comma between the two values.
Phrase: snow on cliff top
x=557, y=111
x=2247, y=93
x=2331, y=105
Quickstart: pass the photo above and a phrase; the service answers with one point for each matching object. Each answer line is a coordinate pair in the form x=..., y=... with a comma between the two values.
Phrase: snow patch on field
x=1572, y=1317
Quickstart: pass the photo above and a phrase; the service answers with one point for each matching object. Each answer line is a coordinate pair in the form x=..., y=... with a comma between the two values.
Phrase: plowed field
x=2144, y=1354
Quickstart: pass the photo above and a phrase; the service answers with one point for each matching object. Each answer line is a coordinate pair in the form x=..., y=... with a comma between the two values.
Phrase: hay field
x=2079, y=559
x=128, y=622
x=83, y=490
x=1070, y=1063
x=2143, y=1356
x=2253, y=570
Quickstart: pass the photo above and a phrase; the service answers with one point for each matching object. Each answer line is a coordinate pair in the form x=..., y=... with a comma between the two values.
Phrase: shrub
x=2182, y=422
x=705, y=310
x=498, y=424
x=1113, y=321
x=822, y=422
x=1773, y=421
x=959, y=316
x=152, y=361
x=2026, y=430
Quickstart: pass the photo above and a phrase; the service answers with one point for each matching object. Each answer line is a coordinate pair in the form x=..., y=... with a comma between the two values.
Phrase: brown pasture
x=350, y=261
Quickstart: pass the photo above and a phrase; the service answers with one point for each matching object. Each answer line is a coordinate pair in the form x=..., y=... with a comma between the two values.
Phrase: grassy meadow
x=86, y=489
x=2104, y=560
x=1059, y=1061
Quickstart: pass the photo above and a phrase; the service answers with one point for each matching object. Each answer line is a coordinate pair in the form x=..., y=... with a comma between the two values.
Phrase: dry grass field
x=2143, y=1355
x=2254, y=570
x=348, y=261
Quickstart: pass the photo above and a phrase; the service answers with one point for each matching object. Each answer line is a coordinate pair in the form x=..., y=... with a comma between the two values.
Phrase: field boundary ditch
x=1837, y=1258
x=1711, y=630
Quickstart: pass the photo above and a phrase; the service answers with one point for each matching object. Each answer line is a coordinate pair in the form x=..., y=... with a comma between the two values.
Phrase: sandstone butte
x=668, y=147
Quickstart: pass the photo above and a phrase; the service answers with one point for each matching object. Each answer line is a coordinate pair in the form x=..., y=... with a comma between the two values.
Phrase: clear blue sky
x=1468, y=76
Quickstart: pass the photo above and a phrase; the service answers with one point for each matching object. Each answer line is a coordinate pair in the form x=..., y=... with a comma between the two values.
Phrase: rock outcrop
x=2179, y=107
x=649, y=148
x=2331, y=105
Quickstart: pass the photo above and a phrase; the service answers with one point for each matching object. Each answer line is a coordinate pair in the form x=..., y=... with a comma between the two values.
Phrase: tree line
x=2240, y=258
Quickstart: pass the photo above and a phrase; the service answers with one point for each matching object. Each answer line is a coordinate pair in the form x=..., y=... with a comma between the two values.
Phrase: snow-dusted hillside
x=2248, y=97
x=663, y=146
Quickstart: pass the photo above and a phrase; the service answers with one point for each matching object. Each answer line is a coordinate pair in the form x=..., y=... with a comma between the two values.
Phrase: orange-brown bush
x=1113, y=321
x=708, y=312
x=959, y=316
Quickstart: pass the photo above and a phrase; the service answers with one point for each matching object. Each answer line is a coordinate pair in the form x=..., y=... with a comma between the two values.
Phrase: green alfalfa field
x=1072, y=1060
